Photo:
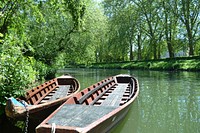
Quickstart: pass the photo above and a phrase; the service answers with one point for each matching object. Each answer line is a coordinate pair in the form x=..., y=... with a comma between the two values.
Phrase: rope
x=53, y=128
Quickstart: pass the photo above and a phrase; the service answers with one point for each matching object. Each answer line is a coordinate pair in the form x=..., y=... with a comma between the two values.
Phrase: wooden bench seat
x=99, y=91
x=37, y=94
x=101, y=95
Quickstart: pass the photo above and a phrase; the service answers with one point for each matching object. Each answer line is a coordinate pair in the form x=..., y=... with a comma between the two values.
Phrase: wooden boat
x=42, y=100
x=95, y=109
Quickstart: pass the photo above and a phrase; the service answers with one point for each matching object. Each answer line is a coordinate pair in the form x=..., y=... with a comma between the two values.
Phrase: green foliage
x=39, y=67
x=60, y=61
x=1, y=36
x=77, y=10
x=16, y=71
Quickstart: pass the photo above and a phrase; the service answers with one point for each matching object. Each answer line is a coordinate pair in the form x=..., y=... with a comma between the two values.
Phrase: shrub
x=16, y=71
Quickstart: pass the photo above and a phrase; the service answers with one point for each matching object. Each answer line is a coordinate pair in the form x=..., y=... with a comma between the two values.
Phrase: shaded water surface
x=168, y=101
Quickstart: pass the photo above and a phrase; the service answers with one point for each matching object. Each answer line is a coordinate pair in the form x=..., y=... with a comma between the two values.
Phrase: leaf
x=1, y=35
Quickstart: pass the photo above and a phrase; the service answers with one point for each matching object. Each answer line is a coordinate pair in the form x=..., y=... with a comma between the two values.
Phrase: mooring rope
x=53, y=128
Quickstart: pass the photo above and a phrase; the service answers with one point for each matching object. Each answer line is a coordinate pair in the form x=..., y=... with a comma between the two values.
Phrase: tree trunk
x=153, y=42
x=190, y=40
x=170, y=49
x=139, y=46
x=131, y=50
x=189, y=23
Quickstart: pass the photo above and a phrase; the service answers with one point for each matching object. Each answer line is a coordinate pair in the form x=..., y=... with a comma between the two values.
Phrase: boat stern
x=123, y=78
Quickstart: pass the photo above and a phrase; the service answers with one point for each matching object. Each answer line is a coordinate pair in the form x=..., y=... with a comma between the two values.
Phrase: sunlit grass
x=168, y=64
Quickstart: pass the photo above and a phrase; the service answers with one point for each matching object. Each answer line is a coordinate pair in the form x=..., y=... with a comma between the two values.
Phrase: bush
x=40, y=68
x=16, y=72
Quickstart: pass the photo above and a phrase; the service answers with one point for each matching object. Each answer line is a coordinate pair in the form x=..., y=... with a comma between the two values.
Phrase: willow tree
x=29, y=39
x=51, y=31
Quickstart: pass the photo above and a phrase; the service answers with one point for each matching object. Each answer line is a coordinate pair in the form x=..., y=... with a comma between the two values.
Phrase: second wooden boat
x=42, y=100
x=95, y=109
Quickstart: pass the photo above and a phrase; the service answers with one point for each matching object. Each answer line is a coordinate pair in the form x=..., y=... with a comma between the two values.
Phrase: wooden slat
x=62, y=91
x=114, y=98
x=83, y=98
x=47, y=97
x=41, y=98
x=100, y=95
x=39, y=88
x=43, y=101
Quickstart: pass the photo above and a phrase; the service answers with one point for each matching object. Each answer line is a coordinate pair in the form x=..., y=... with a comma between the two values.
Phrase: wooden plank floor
x=79, y=115
x=114, y=98
x=61, y=92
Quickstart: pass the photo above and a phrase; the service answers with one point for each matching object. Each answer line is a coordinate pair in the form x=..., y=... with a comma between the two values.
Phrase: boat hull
x=97, y=108
x=38, y=111
x=103, y=127
x=111, y=122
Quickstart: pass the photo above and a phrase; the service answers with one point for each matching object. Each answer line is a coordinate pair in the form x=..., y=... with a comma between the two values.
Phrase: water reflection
x=168, y=101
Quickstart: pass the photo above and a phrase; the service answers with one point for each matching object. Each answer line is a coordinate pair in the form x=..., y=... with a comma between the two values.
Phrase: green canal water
x=169, y=102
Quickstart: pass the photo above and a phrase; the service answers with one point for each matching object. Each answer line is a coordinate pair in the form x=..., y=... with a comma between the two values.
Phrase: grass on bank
x=179, y=63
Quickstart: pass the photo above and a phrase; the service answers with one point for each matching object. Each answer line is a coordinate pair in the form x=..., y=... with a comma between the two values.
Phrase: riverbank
x=174, y=64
